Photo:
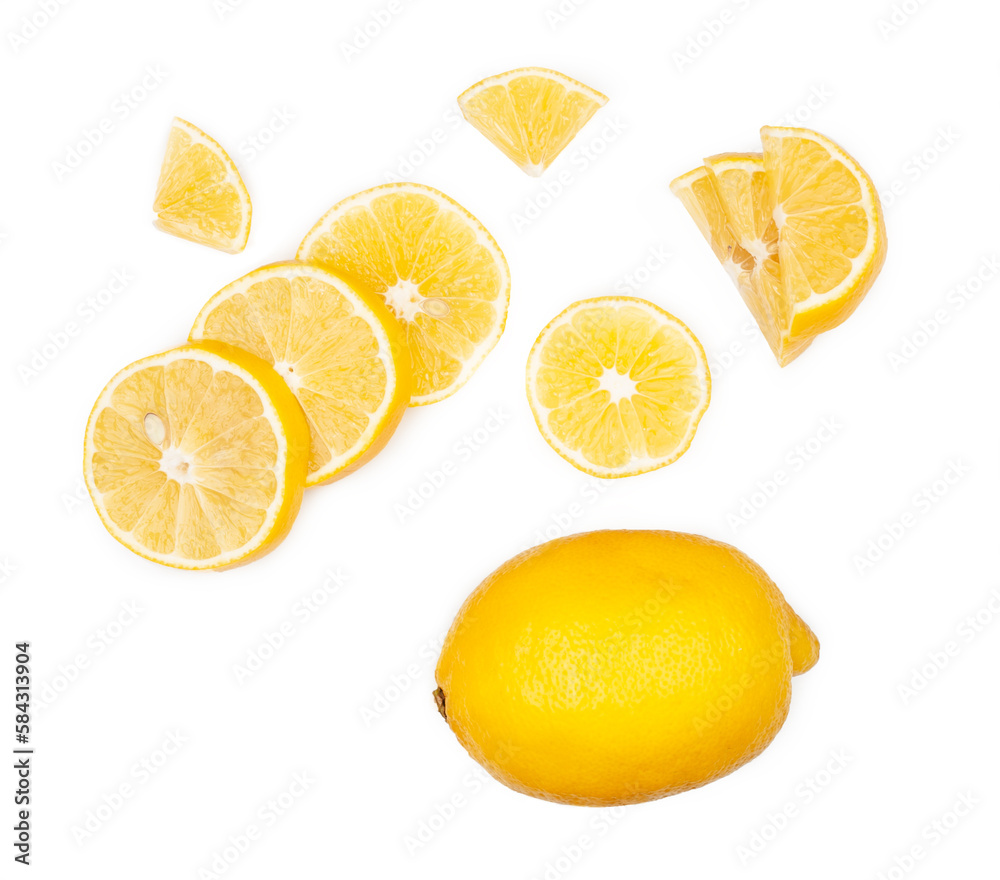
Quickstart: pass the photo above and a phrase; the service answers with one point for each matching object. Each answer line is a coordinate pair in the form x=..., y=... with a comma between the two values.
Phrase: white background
x=376, y=782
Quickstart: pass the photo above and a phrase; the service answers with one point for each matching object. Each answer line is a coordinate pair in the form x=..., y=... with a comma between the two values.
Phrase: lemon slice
x=338, y=349
x=617, y=386
x=701, y=200
x=740, y=182
x=530, y=114
x=831, y=230
x=200, y=195
x=436, y=267
x=196, y=458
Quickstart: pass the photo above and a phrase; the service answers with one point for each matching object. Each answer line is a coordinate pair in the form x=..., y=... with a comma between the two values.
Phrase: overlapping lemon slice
x=799, y=228
x=196, y=458
x=831, y=228
x=200, y=195
x=435, y=266
x=338, y=349
x=618, y=386
x=531, y=114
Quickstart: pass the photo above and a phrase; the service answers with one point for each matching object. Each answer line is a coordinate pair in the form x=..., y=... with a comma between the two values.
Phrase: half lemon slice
x=617, y=386
x=196, y=458
x=831, y=229
x=435, y=266
x=338, y=349
x=531, y=114
x=200, y=195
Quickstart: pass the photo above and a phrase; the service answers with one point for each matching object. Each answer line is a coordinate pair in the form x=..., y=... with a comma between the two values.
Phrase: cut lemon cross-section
x=741, y=185
x=617, y=386
x=339, y=350
x=435, y=266
x=201, y=196
x=196, y=458
x=698, y=195
x=831, y=230
x=530, y=114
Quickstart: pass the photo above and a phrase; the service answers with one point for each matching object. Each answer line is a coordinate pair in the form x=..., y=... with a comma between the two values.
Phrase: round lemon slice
x=338, y=349
x=201, y=196
x=831, y=229
x=435, y=266
x=196, y=458
x=617, y=386
x=531, y=114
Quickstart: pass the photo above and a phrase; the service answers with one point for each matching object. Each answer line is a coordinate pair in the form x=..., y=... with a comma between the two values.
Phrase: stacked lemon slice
x=798, y=227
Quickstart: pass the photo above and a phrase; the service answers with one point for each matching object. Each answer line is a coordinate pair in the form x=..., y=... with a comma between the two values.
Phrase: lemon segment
x=531, y=114
x=617, y=386
x=433, y=264
x=831, y=228
x=740, y=183
x=200, y=195
x=338, y=349
x=196, y=458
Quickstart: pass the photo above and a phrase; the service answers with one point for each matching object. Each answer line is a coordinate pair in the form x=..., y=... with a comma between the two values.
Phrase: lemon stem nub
x=439, y=700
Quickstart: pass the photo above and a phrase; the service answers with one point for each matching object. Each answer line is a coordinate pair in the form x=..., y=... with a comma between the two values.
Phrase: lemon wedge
x=531, y=114
x=200, y=195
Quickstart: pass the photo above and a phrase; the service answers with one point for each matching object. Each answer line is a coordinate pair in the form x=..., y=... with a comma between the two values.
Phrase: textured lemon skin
x=293, y=423
x=616, y=667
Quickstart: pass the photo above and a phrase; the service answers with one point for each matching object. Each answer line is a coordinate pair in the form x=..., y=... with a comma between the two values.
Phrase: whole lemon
x=616, y=667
